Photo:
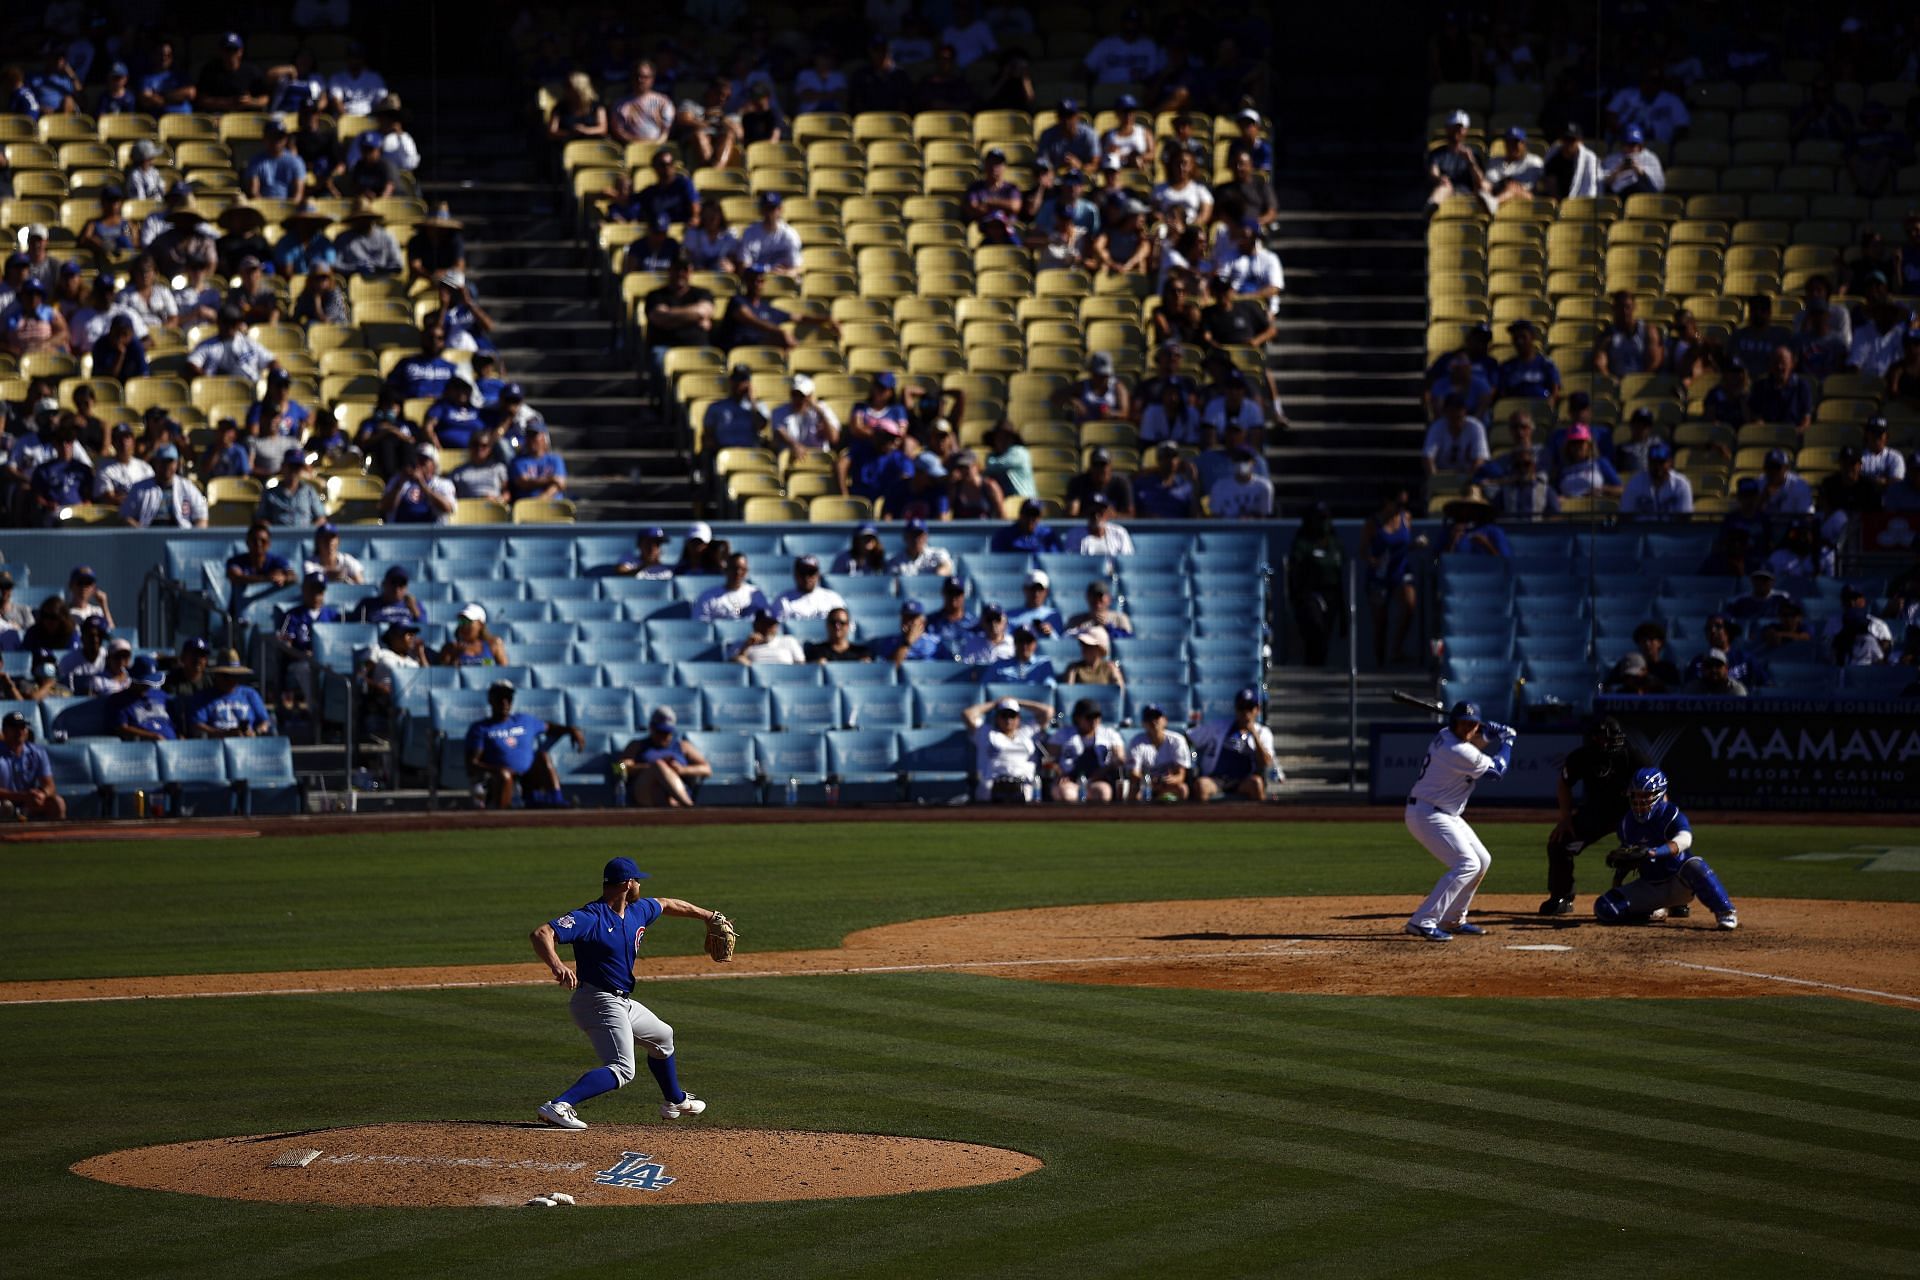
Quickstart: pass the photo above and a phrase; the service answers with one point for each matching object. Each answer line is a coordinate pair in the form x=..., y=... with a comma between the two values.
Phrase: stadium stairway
x=536, y=277
x=1309, y=719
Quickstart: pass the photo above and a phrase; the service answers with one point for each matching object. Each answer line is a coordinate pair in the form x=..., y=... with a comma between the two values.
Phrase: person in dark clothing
x=1315, y=567
x=1602, y=767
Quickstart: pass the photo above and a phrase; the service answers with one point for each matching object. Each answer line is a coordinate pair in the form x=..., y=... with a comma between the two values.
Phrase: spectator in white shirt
x=1251, y=268
x=808, y=599
x=646, y=114
x=771, y=244
x=1130, y=56
x=401, y=151
x=356, y=90
x=1516, y=173
x=1129, y=141
x=1006, y=749
x=165, y=498
x=1658, y=111
x=989, y=642
x=1103, y=537
x=1183, y=200
x=804, y=424
x=1878, y=463
x=1241, y=495
x=768, y=646
x=1171, y=416
x=1456, y=443
x=1234, y=407
x=120, y=472
x=1159, y=758
x=735, y=597
x=917, y=555
x=1659, y=490
x=147, y=297
x=1569, y=169
x=1633, y=170
x=233, y=354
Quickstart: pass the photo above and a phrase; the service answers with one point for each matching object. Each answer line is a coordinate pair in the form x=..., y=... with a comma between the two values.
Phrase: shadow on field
x=1222, y=936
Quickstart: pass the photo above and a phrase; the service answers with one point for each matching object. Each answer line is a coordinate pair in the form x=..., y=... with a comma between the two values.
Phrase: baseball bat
x=1415, y=700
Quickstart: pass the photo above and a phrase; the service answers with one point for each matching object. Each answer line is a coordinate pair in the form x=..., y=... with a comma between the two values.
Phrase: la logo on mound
x=635, y=1170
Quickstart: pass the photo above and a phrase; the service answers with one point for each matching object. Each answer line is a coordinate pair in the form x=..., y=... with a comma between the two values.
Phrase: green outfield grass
x=1186, y=1133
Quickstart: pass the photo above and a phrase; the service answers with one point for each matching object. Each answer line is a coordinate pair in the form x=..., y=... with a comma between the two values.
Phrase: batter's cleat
x=560, y=1115
x=1680, y=912
x=687, y=1106
x=1727, y=921
x=1557, y=907
x=1471, y=930
x=1431, y=932
x=1656, y=915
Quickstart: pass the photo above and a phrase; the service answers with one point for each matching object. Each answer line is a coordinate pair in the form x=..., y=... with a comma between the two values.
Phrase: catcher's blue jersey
x=1657, y=828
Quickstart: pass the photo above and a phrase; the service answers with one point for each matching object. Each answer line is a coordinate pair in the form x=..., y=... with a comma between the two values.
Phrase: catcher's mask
x=1649, y=789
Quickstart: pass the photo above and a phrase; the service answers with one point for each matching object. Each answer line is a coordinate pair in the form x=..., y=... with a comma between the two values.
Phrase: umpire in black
x=1602, y=768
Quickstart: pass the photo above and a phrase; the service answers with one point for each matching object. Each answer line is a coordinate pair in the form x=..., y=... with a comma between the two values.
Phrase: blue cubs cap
x=326, y=528
x=865, y=528
x=929, y=465
x=810, y=563
x=769, y=199
x=912, y=609
x=1247, y=697
x=117, y=69
x=1517, y=134
x=513, y=391
x=1069, y=107
x=620, y=870
x=1464, y=710
x=232, y=40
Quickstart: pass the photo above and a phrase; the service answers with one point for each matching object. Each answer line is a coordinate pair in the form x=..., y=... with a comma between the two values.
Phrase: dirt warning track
x=1329, y=946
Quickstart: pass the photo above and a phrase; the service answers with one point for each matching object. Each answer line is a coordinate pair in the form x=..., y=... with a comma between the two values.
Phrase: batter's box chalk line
x=1538, y=946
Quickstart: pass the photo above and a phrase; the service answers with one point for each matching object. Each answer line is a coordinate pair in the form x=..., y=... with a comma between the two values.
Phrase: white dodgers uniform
x=1434, y=807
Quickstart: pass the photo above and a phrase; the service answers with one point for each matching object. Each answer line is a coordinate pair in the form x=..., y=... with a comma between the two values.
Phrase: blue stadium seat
x=15, y=662
x=1110, y=698
x=825, y=543
x=601, y=551
x=585, y=774
x=739, y=708
x=120, y=769
x=73, y=778
x=814, y=709
x=1553, y=648
x=937, y=762
x=705, y=653
x=546, y=704
x=195, y=772
x=1175, y=697
x=1557, y=669
x=1541, y=623
x=600, y=704
x=1495, y=697
x=501, y=612
x=1556, y=702
x=1455, y=667
x=1498, y=645
x=814, y=630
x=1071, y=572
x=709, y=674
x=618, y=630
x=801, y=675
x=1801, y=678
x=866, y=764
x=79, y=718
x=1213, y=700
x=633, y=674
x=729, y=632
x=637, y=590
x=935, y=705
x=1877, y=682
x=797, y=757
x=679, y=629
x=1157, y=670
x=736, y=770
x=488, y=589
x=878, y=706
x=519, y=677
x=685, y=701
x=566, y=675
x=538, y=631
x=653, y=608
x=538, y=653
x=555, y=588
x=587, y=610
x=863, y=674
x=450, y=711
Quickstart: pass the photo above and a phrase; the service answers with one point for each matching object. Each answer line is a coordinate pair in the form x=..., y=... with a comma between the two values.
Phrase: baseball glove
x=1627, y=855
x=720, y=939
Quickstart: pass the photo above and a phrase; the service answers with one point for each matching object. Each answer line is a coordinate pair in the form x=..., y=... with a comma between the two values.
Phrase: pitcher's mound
x=458, y=1164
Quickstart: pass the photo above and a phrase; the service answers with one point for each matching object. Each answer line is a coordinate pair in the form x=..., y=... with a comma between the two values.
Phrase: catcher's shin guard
x=1706, y=886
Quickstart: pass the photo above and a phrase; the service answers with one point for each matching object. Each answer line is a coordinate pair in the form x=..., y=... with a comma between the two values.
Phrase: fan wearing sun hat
x=232, y=708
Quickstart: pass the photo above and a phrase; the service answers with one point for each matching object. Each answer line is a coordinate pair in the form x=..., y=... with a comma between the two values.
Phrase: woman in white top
x=709, y=243
x=149, y=298
x=1183, y=192
x=1129, y=140
x=1006, y=749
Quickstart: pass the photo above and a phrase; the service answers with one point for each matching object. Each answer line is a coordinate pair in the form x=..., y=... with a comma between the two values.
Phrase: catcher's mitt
x=720, y=939
x=1627, y=855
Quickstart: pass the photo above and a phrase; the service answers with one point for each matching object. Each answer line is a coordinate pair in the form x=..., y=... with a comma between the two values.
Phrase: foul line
x=682, y=977
x=1798, y=982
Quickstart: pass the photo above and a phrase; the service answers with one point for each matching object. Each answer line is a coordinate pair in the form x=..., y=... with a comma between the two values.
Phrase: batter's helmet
x=1464, y=710
x=1649, y=789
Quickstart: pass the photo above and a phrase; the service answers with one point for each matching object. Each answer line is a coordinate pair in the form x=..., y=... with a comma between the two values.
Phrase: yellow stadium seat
x=765, y=510
x=873, y=126
x=833, y=509
x=544, y=511
x=480, y=511
x=812, y=126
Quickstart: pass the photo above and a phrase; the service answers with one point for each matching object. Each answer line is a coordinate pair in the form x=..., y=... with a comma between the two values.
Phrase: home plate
x=1537, y=946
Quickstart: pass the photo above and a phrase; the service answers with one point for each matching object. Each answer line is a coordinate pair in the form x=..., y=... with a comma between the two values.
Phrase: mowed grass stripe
x=1439, y=1143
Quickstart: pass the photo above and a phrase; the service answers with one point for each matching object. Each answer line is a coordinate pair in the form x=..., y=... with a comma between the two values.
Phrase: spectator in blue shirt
x=423, y=376
x=394, y=603
x=672, y=193
x=504, y=752
x=1473, y=531
x=296, y=625
x=61, y=481
x=451, y=421
x=538, y=473
x=140, y=712
x=951, y=625
x=165, y=90
x=1730, y=403
x=1070, y=198
x=1027, y=533
x=916, y=641
x=1783, y=395
x=1529, y=374
x=118, y=354
x=277, y=173
x=1070, y=140
x=116, y=96
x=656, y=250
x=303, y=243
x=15, y=98
x=258, y=565
x=226, y=453
x=230, y=709
x=26, y=772
x=921, y=494
x=1025, y=666
x=873, y=463
x=739, y=420
x=1037, y=613
x=1167, y=491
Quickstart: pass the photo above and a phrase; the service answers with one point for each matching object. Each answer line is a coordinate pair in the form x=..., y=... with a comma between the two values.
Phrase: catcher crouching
x=1657, y=840
x=1602, y=769
x=606, y=935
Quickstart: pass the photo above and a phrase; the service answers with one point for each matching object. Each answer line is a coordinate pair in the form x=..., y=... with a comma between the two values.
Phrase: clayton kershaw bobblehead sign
x=1780, y=753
